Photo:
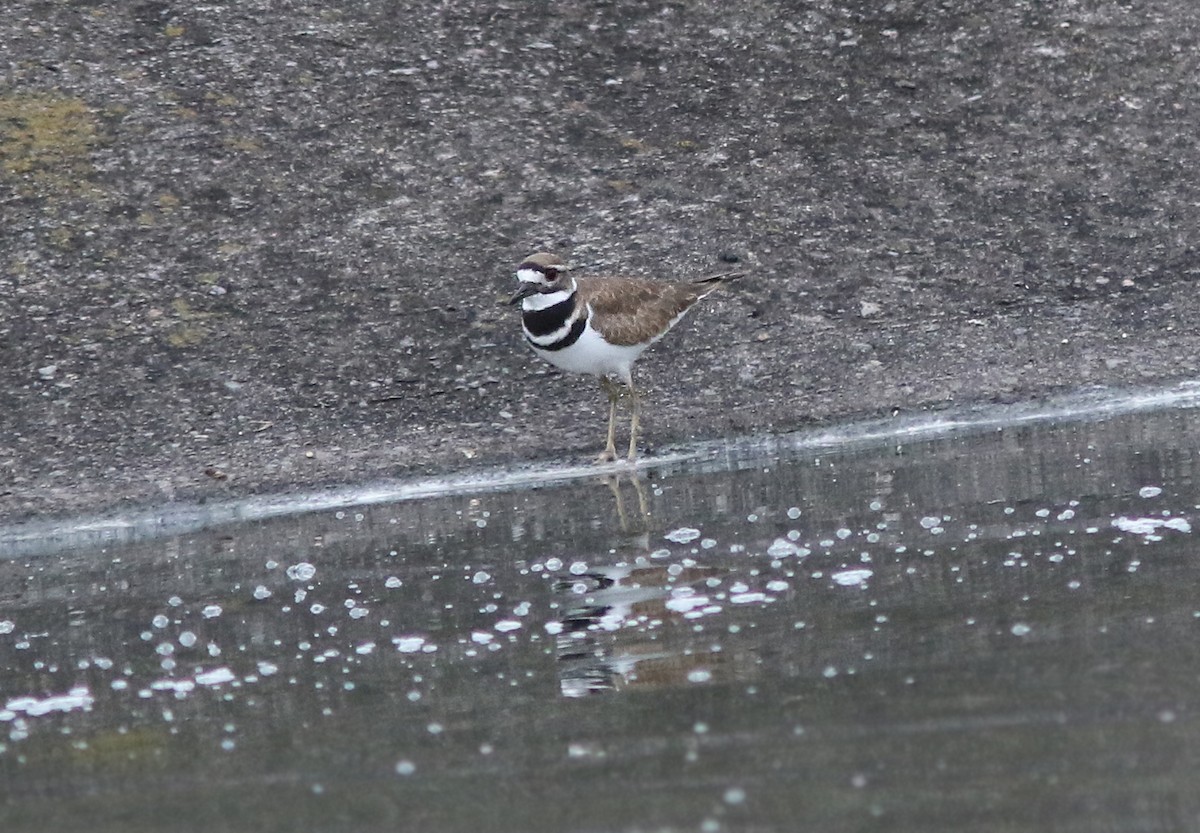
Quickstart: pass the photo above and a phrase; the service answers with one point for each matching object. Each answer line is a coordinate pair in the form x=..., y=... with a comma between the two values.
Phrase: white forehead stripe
x=531, y=276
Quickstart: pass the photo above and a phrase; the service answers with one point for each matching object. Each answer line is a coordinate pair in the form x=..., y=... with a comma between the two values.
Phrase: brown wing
x=633, y=310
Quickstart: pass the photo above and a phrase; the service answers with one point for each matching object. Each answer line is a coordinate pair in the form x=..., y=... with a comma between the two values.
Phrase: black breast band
x=570, y=338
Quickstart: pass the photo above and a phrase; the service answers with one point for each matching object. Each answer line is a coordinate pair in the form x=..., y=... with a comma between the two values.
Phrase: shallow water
x=989, y=632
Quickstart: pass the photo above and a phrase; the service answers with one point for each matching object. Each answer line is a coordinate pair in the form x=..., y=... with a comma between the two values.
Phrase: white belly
x=592, y=354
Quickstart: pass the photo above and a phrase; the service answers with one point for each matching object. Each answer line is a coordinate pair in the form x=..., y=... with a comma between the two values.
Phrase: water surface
x=989, y=632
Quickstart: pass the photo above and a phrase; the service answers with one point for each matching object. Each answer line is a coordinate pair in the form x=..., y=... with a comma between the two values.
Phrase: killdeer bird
x=601, y=325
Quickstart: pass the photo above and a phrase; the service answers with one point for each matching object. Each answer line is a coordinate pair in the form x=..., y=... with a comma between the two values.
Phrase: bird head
x=540, y=272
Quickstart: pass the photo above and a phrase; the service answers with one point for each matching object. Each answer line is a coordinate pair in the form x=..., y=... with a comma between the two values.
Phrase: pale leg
x=613, y=392
x=633, y=422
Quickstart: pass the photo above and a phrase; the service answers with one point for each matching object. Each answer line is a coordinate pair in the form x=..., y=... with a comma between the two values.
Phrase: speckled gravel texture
x=261, y=246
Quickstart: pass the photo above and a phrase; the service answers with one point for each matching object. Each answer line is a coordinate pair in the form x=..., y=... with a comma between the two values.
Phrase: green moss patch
x=46, y=141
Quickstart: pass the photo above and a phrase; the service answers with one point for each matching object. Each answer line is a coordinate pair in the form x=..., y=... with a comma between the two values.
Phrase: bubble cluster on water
x=302, y=571
x=683, y=535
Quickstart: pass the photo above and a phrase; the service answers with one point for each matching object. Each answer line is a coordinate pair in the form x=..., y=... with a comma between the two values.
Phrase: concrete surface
x=257, y=246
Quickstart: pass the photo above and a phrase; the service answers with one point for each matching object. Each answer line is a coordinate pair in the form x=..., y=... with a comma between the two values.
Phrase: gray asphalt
x=249, y=247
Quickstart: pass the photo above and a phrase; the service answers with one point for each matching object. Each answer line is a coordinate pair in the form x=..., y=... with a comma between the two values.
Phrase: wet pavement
x=994, y=630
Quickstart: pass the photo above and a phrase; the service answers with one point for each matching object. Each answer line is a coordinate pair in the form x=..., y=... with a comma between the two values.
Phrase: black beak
x=525, y=291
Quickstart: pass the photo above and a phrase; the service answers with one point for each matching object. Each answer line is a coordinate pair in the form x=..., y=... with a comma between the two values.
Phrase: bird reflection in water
x=631, y=624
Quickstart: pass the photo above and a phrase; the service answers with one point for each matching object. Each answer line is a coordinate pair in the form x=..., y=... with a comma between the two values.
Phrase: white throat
x=542, y=300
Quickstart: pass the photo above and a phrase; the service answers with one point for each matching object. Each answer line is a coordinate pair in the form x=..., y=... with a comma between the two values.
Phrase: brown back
x=634, y=310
